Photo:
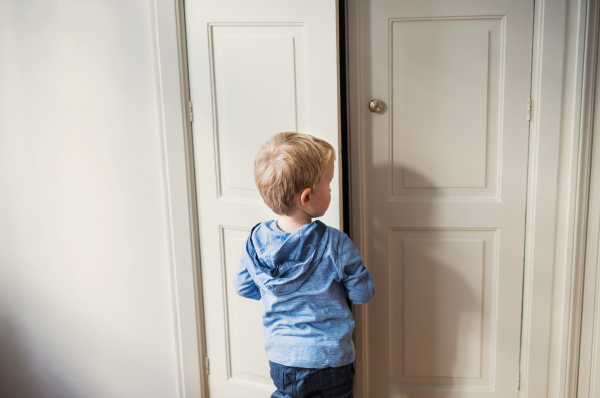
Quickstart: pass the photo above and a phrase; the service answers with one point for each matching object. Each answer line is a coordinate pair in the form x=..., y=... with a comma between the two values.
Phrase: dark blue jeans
x=292, y=382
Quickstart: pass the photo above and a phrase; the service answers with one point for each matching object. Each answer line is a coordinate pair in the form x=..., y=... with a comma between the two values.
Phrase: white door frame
x=170, y=58
x=560, y=134
x=559, y=171
x=590, y=26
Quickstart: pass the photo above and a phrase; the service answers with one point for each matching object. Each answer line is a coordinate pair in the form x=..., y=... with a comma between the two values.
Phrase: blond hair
x=289, y=163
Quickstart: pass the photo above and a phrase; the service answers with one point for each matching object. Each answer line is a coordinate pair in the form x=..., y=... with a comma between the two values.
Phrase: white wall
x=85, y=298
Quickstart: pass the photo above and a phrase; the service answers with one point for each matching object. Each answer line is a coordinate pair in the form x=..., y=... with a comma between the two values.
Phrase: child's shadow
x=435, y=298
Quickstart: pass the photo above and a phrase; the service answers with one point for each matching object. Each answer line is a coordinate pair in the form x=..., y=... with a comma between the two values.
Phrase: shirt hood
x=282, y=261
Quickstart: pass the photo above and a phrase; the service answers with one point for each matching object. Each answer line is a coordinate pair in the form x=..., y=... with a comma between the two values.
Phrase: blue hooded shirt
x=304, y=278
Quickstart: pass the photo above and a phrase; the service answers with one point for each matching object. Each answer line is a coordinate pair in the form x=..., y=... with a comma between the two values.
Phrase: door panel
x=243, y=319
x=256, y=69
x=440, y=192
x=440, y=121
x=260, y=84
x=440, y=305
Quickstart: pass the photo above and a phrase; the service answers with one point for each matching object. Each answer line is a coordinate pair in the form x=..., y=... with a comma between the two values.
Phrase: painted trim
x=168, y=32
x=585, y=132
x=541, y=219
x=354, y=44
x=558, y=187
x=588, y=379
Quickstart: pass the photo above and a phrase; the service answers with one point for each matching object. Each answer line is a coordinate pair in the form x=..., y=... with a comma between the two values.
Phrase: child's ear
x=305, y=197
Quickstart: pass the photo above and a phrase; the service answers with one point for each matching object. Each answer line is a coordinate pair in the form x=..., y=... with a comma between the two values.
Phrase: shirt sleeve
x=355, y=276
x=243, y=282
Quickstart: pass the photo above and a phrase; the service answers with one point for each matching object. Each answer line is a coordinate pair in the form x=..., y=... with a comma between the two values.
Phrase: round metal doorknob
x=375, y=106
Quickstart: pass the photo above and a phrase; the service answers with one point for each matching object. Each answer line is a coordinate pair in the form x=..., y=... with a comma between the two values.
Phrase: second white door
x=439, y=194
x=256, y=69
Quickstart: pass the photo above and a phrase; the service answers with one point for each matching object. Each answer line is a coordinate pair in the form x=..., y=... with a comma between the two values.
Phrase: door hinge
x=207, y=365
x=529, y=103
x=191, y=109
x=519, y=381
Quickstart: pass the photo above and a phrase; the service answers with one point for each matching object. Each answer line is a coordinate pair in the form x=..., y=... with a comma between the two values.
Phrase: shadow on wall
x=436, y=281
x=22, y=375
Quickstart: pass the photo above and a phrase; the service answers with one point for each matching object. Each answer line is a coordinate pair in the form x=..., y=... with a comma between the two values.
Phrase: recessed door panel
x=445, y=92
x=442, y=300
x=247, y=362
x=267, y=94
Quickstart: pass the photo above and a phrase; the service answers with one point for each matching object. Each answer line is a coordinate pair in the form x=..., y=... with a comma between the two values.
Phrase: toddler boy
x=303, y=270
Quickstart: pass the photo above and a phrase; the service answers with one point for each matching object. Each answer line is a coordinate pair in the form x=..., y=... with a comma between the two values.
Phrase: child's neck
x=292, y=222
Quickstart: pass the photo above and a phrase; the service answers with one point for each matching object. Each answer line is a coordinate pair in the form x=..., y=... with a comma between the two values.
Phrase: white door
x=440, y=192
x=256, y=68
